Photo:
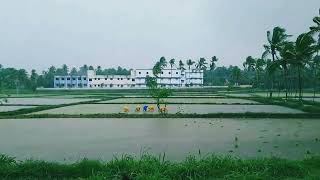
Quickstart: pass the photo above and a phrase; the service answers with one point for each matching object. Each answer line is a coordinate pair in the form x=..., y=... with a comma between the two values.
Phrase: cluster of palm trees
x=287, y=55
x=200, y=65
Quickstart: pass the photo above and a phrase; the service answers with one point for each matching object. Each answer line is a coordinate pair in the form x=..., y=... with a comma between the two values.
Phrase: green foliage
x=151, y=167
x=156, y=92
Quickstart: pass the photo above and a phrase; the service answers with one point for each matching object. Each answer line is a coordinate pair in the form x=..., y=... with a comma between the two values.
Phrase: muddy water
x=73, y=139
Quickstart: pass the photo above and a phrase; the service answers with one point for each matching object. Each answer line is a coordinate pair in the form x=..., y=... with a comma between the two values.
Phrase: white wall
x=168, y=78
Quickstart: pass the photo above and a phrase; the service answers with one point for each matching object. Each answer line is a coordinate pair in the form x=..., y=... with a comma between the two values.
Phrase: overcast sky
x=35, y=34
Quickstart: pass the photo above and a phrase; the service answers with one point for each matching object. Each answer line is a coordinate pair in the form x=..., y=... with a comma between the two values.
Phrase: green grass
x=178, y=115
x=152, y=167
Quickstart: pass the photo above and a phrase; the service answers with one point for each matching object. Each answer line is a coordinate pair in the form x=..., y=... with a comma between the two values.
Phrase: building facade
x=137, y=79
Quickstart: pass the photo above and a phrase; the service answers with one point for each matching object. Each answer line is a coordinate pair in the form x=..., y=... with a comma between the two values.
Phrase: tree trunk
x=314, y=83
x=300, y=83
x=171, y=77
x=286, y=81
x=272, y=76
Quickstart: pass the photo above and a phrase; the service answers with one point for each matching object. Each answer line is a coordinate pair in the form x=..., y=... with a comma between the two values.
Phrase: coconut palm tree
x=212, y=65
x=283, y=62
x=156, y=70
x=259, y=65
x=163, y=62
x=189, y=64
x=162, y=65
x=315, y=65
x=172, y=63
x=300, y=53
x=181, y=68
x=213, y=62
x=181, y=65
x=316, y=28
x=276, y=40
x=235, y=75
x=271, y=68
x=250, y=64
x=201, y=66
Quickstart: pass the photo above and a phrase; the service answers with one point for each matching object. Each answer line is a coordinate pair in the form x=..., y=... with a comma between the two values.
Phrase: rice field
x=172, y=109
x=72, y=139
x=183, y=100
x=13, y=108
x=43, y=101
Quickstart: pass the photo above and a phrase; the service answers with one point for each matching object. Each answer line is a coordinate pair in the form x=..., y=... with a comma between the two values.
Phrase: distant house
x=136, y=79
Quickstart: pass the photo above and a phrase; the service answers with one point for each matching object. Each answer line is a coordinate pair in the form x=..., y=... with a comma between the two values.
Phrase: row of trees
x=286, y=61
x=11, y=78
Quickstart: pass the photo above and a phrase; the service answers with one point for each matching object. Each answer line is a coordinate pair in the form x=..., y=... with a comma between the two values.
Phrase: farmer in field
x=126, y=109
x=138, y=109
x=163, y=109
x=151, y=109
x=145, y=108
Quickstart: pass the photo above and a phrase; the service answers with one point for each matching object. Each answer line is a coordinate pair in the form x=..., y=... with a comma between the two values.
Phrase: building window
x=105, y=78
x=169, y=72
x=95, y=78
x=121, y=78
x=133, y=79
x=161, y=72
x=62, y=79
x=90, y=79
x=85, y=85
x=98, y=78
x=118, y=78
x=118, y=85
x=139, y=72
x=84, y=78
x=74, y=79
x=57, y=79
x=121, y=85
x=57, y=84
x=111, y=79
x=147, y=72
x=79, y=78
x=68, y=78
x=177, y=73
x=128, y=79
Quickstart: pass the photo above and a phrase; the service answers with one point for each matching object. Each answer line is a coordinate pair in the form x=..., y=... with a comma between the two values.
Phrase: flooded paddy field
x=283, y=94
x=73, y=139
x=172, y=109
x=183, y=100
x=13, y=108
x=44, y=101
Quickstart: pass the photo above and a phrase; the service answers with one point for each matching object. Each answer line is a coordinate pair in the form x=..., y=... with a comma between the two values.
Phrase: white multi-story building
x=136, y=79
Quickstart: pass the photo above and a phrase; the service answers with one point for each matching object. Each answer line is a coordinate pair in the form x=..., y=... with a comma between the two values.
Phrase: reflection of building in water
x=136, y=79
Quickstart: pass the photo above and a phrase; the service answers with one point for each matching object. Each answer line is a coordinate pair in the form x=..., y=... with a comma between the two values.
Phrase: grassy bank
x=151, y=167
x=123, y=115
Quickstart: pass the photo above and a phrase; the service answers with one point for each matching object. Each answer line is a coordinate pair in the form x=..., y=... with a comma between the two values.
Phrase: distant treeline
x=11, y=78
